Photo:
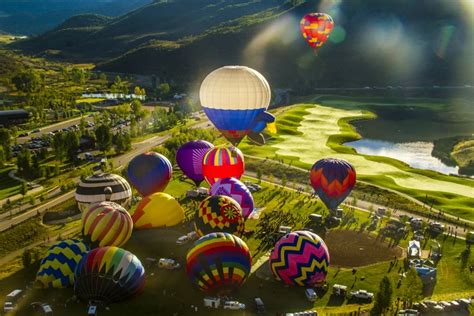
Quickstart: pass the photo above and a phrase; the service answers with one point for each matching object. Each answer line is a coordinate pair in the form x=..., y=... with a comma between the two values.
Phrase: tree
x=123, y=142
x=78, y=76
x=23, y=162
x=164, y=89
x=139, y=91
x=136, y=108
x=58, y=145
x=412, y=288
x=27, y=81
x=259, y=175
x=104, y=138
x=5, y=143
x=72, y=143
x=24, y=188
x=383, y=298
x=26, y=258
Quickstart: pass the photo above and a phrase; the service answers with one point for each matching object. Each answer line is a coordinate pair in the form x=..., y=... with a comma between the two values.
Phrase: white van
x=311, y=295
x=11, y=300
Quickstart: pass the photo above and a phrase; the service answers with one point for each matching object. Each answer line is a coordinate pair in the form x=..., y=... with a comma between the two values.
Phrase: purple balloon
x=189, y=158
x=237, y=190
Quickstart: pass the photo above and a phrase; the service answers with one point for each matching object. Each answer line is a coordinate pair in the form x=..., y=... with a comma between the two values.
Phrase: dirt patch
x=349, y=248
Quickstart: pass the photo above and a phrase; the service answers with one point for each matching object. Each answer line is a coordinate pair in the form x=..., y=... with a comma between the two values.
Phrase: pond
x=415, y=154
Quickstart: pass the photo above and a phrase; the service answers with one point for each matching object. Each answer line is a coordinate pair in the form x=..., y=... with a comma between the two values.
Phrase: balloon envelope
x=222, y=162
x=237, y=190
x=300, y=258
x=315, y=28
x=109, y=274
x=333, y=180
x=189, y=158
x=218, y=263
x=149, y=172
x=232, y=98
x=92, y=190
x=57, y=267
x=106, y=224
x=157, y=210
x=219, y=213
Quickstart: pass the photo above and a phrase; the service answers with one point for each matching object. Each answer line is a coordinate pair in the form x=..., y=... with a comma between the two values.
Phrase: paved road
x=119, y=161
x=360, y=205
x=53, y=127
x=435, y=211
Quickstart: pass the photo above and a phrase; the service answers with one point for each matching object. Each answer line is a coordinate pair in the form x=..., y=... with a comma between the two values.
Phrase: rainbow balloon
x=218, y=263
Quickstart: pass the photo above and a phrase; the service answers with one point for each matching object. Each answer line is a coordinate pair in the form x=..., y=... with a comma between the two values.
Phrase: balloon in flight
x=315, y=28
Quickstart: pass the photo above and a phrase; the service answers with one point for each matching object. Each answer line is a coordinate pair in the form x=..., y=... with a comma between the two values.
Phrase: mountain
x=391, y=42
x=29, y=17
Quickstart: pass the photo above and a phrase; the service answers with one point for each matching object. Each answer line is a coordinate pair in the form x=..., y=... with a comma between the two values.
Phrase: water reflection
x=415, y=154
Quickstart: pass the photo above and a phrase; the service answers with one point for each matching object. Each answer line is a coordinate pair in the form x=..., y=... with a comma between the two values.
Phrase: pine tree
x=383, y=298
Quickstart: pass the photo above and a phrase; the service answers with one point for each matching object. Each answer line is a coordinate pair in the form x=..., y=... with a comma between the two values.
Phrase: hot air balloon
x=93, y=189
x=218, y=263
x=109, y=274
x=300, y=258
x=221, y=163
x=106, y=224
x=237, y=190
x=315, y=28
x=219, y=213
x=57, y=267
x=234, y=99
x=157, y=210
x=149, y=172
x=332, y=179
x=189, y=158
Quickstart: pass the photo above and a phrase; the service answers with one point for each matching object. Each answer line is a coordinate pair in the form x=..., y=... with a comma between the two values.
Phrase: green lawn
x=308, y=132
x=167, y=292
x=8, y=186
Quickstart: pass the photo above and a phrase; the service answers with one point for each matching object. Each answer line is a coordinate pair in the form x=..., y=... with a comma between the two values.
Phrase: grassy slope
x=8, y=186
x=159, y=243
x=321, y=133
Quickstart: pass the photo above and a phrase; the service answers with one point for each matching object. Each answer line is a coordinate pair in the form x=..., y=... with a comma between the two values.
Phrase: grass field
x=310, y=132
x=8, y=186
x=167, y=292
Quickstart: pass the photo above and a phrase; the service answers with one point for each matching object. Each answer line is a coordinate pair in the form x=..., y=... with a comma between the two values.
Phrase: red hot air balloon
x=221, y=163
x=332, y=179
x=315, y=28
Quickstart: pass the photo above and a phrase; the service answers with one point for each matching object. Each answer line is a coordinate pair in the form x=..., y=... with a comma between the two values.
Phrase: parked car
x=259, y=306
x=212, y=302
x=23, y=135
x=11, y=300
x=187, y=238
x=167, y=263
x=35, y=131
x=362, y=294
x=311, y=295
x=234, y=305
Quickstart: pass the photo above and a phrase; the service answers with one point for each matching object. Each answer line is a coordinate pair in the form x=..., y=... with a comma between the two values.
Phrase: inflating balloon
x=149, y=172
x=108, y=274
x=106, y=224
x=93, y=189
x=315, y=28
x=218, y=263
x=221, y=163
x=219, y=213
x=189, y=158
x=157, y=210
x=300, y=258
x=235, y=99
x=333, y=180
x=57, y=267
x=237, y=190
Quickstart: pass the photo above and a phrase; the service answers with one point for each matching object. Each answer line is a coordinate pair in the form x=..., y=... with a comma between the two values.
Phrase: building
x=13, y=117
x=414, y=249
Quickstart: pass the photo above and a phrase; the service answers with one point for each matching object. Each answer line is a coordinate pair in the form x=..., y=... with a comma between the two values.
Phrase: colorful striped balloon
x=109, y=274
x=237, y=190
x=106, y=224
x=300, y=258
x=57, y=267
x=333, y=180
x=218, y=263
x=221, y=163
x=219, y=213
